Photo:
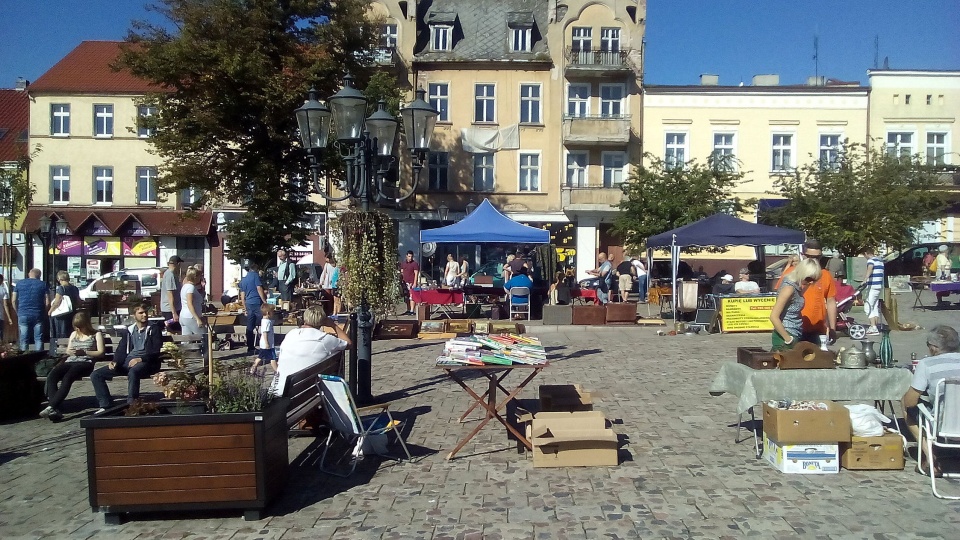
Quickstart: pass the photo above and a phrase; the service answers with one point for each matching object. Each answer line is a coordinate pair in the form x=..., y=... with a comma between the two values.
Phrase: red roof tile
x=14, y=122
x=86, y=69
x=158, y=222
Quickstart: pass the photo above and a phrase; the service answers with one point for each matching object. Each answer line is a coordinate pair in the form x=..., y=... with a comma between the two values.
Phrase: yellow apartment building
x=915, y=112
x=95, y=175
x=540, y=109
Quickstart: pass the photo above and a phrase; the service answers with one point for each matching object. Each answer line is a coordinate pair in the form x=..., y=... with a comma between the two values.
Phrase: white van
x=149, y=279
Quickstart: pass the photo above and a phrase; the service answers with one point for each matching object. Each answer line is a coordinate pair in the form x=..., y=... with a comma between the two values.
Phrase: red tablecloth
x=588, y=295
x=437, y=297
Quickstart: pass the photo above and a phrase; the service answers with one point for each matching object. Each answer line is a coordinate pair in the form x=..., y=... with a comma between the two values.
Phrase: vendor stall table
x=754, y=386
x=495, y=375
x=445, y=300
x=584, y=296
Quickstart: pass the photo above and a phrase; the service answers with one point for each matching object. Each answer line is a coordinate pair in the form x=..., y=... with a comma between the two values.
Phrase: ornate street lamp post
x=366, y=145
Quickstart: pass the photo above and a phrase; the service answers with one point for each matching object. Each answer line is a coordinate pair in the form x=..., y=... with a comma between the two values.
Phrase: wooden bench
x=301, y=388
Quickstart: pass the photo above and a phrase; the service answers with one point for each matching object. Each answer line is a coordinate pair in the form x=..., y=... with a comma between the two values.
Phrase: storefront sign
x=93, y=269
x=746, y=314
x=70, y=245
x=134, y=228
x=139, y=247
x=96, y=228
x=101, y=245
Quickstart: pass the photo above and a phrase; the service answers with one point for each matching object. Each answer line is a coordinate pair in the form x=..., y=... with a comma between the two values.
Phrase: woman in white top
x=308, y=345
x=451, y=271
x=191, y=319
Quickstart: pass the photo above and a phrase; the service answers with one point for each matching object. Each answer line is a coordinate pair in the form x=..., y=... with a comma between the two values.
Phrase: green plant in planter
x=237, y=390
x=368, y=253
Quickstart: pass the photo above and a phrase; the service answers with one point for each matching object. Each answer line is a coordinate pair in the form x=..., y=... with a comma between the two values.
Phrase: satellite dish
x=429, y=248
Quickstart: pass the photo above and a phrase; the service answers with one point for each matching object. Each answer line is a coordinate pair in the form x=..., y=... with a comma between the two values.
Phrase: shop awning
x=156, y=222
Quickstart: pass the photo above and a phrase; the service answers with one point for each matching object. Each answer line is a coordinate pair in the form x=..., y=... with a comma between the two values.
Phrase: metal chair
x=941, y=427
x=347, y=421
x=516, y=307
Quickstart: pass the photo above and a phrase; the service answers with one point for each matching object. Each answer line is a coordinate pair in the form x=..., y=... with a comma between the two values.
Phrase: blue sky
x=735, y=39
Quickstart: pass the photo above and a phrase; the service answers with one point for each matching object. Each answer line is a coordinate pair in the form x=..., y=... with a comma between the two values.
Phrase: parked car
x=909, y=262
x=149, y=279
x=493, y=269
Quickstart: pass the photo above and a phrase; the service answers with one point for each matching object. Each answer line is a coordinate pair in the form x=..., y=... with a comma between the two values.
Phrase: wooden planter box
x=622, y=313
x=172, y=462
x=589, y=315
x=559, y=315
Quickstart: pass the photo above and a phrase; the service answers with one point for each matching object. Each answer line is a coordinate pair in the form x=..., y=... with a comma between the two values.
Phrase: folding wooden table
x=495, y=375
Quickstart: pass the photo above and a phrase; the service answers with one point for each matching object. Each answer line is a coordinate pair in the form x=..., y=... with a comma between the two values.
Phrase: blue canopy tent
x=718, y=230
x=486, y=224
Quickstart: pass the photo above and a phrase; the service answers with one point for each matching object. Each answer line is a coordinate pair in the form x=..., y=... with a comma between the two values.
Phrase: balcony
x=590, y=198
x=596, y=129
x=597, y=63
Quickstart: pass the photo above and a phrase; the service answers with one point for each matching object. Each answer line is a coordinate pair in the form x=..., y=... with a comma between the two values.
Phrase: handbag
x=65, y=307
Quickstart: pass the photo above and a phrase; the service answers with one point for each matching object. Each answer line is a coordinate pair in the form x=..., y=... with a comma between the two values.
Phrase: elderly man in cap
x=745, y=285
x=170, y=290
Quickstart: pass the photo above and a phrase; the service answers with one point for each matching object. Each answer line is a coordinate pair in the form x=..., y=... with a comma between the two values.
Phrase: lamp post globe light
x=366, y=146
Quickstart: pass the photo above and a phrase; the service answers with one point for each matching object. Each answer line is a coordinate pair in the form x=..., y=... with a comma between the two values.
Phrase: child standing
x=267, y=352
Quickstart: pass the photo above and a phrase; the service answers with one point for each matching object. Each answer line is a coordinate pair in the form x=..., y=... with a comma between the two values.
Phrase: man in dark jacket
x=137, y=356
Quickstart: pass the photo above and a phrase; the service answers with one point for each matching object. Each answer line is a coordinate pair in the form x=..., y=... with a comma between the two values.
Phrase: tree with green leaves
x=866, y=198
x=230, y=76
x=660, y=196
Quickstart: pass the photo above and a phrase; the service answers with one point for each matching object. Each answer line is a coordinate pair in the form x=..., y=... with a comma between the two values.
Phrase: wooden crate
x=756, y=358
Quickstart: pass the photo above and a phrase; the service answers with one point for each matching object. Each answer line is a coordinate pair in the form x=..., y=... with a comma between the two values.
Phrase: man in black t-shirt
x=518, y=264
x=625, y=273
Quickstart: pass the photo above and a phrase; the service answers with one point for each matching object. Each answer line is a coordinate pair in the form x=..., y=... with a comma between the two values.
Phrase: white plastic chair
x=347, y=421
x=941, y=427
x=517, y=308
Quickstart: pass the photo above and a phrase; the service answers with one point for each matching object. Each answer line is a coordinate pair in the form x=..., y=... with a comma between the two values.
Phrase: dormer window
x=440, y=37
x=520, y=39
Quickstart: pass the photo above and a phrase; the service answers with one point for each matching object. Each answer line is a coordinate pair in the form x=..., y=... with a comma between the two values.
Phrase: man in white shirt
x=745, y=286
x=308, y=345
x=641, y=272
x=286, y=275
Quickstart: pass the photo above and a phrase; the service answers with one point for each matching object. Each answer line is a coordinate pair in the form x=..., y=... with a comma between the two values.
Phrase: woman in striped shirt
x=873, y=286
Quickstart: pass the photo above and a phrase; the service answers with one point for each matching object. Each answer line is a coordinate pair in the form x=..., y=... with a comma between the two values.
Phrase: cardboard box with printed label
x=572, y=439
x=804, y=458
x=787, y=426
x=564, y=398
x=873, y=453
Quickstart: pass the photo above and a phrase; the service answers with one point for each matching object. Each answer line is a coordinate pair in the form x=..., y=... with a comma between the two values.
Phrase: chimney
x=709, y=80
x=817, y=81
x=22, y=84
x=766, y=80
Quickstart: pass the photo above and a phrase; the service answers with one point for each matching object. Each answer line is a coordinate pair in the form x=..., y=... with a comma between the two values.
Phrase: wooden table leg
x=463, y=417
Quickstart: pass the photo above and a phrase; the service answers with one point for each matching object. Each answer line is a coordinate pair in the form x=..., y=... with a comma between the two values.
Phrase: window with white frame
x=440, y=37
x=577, y=169
x=530, y=104
x=937, y=149
x=529, y=171
x=610, y=46
x=438, y=165
x=60, y=119
x=520, y=39
x=614, y=168
x=581, y=41
x=189, y=197
x=440, y=100
x=782, y=152
x=483, y=172
x=611, y=100
x=144, y=127
x=60, y=184
x=578, y=100
x=103, y=185
x=724, y=151
x=900, y=144
x=829, y=151
x=484, y=103
x=388, y=36
x=103, y=120
x=675, y=153
x=146, y=185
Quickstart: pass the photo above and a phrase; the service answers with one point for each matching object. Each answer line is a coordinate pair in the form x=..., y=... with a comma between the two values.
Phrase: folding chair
x=516, y=308
x=347, y=422
x=941, y=427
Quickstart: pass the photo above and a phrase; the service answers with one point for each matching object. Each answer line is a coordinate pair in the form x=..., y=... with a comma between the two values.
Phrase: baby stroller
x=846, y=296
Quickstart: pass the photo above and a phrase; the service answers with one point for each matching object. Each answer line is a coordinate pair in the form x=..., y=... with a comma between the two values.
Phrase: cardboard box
x=873, y=453
x=802, y=458
x=801, y=427
x=577, y=439
x=564, y=397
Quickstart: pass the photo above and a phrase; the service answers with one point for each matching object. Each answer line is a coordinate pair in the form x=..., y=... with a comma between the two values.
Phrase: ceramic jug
x=871, y=354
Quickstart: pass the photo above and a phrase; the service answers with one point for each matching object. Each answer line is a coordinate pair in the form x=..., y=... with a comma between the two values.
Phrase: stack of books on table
x=494, y=349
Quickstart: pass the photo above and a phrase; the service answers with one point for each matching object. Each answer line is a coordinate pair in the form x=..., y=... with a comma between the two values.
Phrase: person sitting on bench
x=308, y=345
x=137, y=356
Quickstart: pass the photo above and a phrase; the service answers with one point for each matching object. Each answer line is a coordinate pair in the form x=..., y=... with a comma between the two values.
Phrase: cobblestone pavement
x=681, y=475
